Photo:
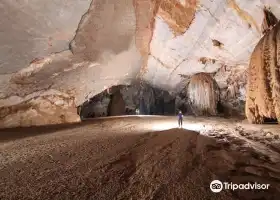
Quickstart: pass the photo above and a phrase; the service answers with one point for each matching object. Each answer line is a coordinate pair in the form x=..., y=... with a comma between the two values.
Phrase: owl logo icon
x=216, y=186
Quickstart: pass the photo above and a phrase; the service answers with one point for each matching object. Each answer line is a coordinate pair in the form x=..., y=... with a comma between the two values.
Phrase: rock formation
x=144, y=97
x=97, y=106
x=269, y=20
x=116, y=106
x=50, y=108
x=232, y=90
x=203, y=92
x=178, y=16
x=164, y=103
x=263, y=88
x=105, y=43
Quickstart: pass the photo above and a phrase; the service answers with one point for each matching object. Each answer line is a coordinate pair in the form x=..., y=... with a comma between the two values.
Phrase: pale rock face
x=79, y=48
x=47, y=109
x=34, y=29
x=237, y=29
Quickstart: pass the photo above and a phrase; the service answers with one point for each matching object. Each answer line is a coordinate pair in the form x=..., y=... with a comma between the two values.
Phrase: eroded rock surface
x=106, y=43
x=35, y=29
x=263, y=90
x=232, y=84
x=116, y=106
x=96, y=106
x=49, y=108
x=144, y=97
x=204, y=94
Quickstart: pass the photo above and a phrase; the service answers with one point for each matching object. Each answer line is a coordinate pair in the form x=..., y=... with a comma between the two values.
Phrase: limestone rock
x=136, y=93
x=203, y=92
x=106, y=43
x=144, y=97
x=97, y=106
x=48, y=109
x=232, y=83
x=178, y=16
x=263, y=89
x=117, y=105
x=269, y=20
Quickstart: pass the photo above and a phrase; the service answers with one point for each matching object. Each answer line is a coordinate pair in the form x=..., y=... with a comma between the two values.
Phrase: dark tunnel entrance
x=270, y=121
x=135, y=100
x=126, y=100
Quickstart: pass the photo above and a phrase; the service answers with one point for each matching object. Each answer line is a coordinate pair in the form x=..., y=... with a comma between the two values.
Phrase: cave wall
x=232, y=82
x=144, y=109
x=107, y=42
x=164, y=103
x=149, y=100
x=101, y=105
x=130, y=95
x=102, y=54
x=116, y=106
x=49, y=108
x=97, y=106
x=35, y=29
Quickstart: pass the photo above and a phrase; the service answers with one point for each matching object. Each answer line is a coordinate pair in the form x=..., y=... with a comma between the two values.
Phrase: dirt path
x=126, y=159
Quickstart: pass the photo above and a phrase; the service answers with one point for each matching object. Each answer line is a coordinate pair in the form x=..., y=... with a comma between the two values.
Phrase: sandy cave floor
x=139, y=158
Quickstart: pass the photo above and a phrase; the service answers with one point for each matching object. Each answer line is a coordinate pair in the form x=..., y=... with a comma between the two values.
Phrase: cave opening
x=267, y=120
x=142, y=100
x=128, y=100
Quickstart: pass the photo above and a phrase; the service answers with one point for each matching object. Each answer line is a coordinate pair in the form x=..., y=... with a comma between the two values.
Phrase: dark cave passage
x=270, y=121
x=126, y=100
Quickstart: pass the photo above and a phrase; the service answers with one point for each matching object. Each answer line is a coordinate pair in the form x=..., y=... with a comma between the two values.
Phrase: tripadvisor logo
x=217, y=186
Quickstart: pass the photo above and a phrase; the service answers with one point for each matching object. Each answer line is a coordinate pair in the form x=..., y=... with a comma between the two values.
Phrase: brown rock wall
x=42, y=110
x=263, y=88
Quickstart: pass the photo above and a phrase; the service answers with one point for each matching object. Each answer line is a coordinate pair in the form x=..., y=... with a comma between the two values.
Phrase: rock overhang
x=109, y=49
x=34, y=29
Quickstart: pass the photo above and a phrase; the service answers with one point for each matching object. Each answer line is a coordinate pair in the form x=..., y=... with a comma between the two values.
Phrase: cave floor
x=139, y=157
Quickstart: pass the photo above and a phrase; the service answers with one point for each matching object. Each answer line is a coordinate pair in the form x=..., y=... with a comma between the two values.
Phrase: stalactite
x=203, y=93
x=263, y=87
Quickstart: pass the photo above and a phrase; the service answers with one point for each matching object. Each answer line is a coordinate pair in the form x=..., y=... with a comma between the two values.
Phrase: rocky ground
x=139, y=158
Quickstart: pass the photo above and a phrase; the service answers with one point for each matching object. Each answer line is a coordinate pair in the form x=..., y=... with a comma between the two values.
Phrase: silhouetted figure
x=180, y=119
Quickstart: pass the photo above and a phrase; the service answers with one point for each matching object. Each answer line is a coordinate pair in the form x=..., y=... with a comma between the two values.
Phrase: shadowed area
x=139, y=158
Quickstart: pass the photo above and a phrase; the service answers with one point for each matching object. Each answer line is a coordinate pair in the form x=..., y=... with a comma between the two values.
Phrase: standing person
x=180, y=119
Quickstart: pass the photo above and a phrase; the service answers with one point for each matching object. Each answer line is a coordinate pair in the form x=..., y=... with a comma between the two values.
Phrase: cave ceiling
x=82, y=47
